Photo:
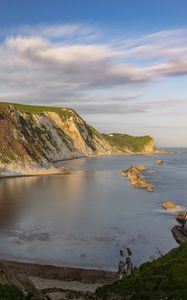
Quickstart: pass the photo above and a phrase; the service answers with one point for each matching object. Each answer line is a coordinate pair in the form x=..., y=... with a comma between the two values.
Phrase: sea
x=85, y=218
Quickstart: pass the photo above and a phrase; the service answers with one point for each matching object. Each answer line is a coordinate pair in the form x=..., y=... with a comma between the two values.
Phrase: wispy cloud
x=68, y=63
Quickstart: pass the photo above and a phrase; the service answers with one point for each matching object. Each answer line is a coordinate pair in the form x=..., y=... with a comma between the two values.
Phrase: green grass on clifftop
x=36, y=109
x=121, y=141
x=164, y=278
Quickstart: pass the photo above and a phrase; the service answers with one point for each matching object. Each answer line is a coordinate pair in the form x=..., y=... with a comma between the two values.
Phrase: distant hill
x=128, y=143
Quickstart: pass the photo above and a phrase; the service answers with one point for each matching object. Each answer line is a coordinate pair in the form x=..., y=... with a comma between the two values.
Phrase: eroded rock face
x=185, y=228
x=149, y=148
x=36, y=138
x=134, y=176
x=170, y=206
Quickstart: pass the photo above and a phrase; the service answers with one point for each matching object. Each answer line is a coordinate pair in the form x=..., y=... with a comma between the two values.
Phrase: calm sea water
x=85, y=218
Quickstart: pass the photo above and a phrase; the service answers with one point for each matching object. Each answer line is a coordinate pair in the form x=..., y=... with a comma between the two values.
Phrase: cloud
x=73, y=32
x=175, y=67
x=80, y=65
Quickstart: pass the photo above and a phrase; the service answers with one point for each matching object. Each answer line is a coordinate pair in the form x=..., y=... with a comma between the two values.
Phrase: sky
x=121, y=64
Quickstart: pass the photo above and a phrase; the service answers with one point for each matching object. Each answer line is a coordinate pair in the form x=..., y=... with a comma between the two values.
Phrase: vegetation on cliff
x=37, y=109
x=163, y=278
x=125, y=141
x=9, y=292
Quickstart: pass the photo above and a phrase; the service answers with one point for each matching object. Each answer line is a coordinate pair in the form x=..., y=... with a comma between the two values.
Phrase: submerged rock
x=170, y=206
x=133, y=173
x=159, y=162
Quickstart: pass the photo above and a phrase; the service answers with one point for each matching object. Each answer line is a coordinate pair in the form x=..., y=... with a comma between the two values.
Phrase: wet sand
x=74, y=285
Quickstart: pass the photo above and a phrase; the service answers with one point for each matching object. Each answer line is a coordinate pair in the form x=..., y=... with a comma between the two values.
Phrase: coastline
x=56, y=171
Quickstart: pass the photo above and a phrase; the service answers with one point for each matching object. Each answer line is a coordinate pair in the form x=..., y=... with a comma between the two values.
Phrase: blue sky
x=121, y=64
x=141, y=14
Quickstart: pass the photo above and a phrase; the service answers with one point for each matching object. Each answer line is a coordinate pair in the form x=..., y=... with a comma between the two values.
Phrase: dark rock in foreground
x=182, y=217
x=180, y=233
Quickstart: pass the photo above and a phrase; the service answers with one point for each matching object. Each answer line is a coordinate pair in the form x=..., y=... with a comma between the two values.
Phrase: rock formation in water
x=171, y=206
x=134, y=176
x=33, y=136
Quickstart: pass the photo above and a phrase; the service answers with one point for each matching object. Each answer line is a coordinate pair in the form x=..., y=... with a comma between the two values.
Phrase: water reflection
x=12, y=196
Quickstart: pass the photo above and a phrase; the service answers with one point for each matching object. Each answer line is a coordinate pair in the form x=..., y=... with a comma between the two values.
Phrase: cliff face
x=149, y=147
x=45, y=135
x=34, y=135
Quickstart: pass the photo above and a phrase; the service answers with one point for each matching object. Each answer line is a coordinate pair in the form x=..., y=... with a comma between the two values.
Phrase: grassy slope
x=164, y=278
x=36, y=109
x=135, y=144
x=32, y=108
